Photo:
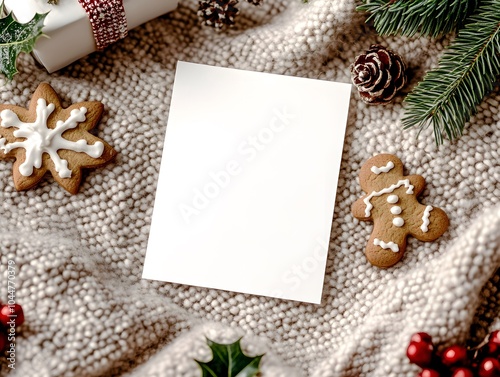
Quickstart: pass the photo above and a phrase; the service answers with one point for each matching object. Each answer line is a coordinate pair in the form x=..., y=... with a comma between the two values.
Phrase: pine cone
x=217, y=13
x=378, y=74
x=255, y=2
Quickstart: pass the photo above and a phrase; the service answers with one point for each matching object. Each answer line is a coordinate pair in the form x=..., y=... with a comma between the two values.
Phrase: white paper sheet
x=247, y=184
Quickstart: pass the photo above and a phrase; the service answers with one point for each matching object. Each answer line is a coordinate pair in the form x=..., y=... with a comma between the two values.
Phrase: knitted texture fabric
x=79, y=258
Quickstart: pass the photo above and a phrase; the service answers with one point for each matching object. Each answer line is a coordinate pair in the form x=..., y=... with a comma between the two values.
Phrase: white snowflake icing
x=41, y=139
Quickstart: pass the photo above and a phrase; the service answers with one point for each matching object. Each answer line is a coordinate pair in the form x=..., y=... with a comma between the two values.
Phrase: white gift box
x=68, y=28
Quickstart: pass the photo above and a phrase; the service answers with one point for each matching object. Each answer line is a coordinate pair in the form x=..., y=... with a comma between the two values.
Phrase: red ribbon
x=108, y=20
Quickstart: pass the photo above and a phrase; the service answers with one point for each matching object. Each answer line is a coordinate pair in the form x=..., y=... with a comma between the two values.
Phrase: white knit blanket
x=79, y=258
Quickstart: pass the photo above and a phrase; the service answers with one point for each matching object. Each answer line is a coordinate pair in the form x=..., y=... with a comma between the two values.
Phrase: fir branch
x=426, y=17
x=467, y=71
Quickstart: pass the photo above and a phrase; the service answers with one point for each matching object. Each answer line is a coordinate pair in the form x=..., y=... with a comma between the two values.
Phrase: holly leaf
x=229, y=361
x=16, y=37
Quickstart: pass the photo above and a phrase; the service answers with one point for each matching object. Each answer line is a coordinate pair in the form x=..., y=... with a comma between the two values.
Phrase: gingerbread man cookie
x=49, y=137
x=391, y=203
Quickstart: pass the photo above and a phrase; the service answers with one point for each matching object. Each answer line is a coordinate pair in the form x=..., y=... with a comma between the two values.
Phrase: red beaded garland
x=108, y=20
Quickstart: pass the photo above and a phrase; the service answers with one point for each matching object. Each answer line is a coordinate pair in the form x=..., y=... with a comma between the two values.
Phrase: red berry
x=454, y=355
x=11, y=313
x=462, y=372
x=492, y=349
x=421, y=337
x=420, y=354
x=493, y=345
x=429, y=373
x=494, y=337
x=489, y=367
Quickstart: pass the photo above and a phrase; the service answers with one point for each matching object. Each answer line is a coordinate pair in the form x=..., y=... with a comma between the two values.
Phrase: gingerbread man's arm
x=418, y=183
x=433, y=222
x=358, y=210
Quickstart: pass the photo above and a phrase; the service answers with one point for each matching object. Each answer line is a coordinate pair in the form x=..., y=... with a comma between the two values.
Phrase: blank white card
x=247, y=183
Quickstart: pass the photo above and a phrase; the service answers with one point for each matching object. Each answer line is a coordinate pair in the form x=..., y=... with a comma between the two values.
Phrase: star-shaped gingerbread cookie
x=49, y=137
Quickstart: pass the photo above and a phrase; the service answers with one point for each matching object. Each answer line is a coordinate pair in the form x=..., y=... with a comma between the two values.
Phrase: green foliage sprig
x=16, y=37
x=426, y=17
x=467, y=71
x=449, y=94
x=229, y=360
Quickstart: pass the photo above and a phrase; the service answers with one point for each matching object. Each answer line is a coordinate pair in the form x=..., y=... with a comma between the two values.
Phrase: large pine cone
x=378, y=74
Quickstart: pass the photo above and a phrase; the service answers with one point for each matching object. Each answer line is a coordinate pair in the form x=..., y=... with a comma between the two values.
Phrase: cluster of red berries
x=456, y=360
x=11, y=317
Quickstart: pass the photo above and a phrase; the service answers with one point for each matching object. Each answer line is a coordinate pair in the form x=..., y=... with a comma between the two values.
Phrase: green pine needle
x=448, y=95
x=409, y=17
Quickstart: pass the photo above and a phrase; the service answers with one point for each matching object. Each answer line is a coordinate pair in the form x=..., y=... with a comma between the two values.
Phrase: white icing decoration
x=425, y=219
x=41, y=139
x=396, y=210
x=392, y=199
x=405, y=182
x=383, y=169
x=398, y=221
x=389, y=245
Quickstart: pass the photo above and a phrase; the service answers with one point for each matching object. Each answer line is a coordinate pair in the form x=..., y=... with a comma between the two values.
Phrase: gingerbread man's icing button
x=398, y=221
x=382, y=179
x=396, y=210
x=393, y=199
